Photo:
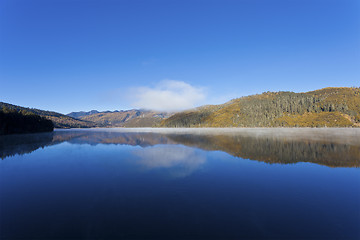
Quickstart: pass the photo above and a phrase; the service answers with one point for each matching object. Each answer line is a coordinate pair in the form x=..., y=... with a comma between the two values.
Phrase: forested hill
x=12, y=121
x=59, y=120
x=328, y=107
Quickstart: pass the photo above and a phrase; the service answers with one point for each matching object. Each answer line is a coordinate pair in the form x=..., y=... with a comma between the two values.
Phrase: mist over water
x=180, y=184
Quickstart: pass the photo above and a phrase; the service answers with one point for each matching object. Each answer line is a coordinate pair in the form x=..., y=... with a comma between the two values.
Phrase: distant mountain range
x=128, y=118
x=328, y=107
x=82, y=114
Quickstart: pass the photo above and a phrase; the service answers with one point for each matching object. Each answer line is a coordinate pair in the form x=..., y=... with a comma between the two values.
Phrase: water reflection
x=330, y=147
x=20, y=144
x=115, y=184
x=181, y=161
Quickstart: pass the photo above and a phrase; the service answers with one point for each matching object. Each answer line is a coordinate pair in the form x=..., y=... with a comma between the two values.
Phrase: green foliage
x=12, y=121
x=271, y=109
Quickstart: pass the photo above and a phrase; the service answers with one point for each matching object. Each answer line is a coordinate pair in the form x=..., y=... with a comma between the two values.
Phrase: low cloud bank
x=168, y=95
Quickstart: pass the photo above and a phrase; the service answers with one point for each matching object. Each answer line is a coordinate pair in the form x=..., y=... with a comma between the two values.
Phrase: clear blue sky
x=81, y=55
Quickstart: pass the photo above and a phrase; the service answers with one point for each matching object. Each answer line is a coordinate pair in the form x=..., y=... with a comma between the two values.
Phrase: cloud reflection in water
x=179, y=160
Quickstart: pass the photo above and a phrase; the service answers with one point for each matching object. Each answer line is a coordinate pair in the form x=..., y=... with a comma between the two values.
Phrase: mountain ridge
x=59, y=120
x=123, y=118
x=81, y=114
x=327, y=107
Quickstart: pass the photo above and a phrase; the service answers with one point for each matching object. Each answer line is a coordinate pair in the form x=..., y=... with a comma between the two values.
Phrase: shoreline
x=340, y=135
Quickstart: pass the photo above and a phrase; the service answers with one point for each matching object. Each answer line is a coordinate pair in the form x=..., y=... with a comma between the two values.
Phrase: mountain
x=328, y=107
x=81, y=114
x=12, y=121
x=128, y=118
x=59, y=120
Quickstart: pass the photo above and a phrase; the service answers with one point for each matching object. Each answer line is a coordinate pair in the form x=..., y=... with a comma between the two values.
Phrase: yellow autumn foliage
x=323, y=119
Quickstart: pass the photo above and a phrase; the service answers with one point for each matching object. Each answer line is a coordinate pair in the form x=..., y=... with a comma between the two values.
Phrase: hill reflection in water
x=329, y=147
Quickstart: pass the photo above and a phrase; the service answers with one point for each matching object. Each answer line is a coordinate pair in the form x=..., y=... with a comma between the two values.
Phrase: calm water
x=185, y=184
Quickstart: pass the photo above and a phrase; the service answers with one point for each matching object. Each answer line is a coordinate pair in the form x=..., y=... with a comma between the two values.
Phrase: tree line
x=12, y=121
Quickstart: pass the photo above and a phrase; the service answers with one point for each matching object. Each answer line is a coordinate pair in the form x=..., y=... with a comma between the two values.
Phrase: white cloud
x=168, y=95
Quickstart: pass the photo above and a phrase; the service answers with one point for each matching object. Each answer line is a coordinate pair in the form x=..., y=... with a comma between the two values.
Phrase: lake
x=181, y=184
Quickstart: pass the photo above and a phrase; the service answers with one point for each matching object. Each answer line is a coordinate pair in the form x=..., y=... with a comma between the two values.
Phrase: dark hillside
x=59, y=120
x=12, y=121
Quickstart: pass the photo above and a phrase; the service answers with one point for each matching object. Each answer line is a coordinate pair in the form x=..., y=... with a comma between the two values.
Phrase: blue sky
x=82, y=55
